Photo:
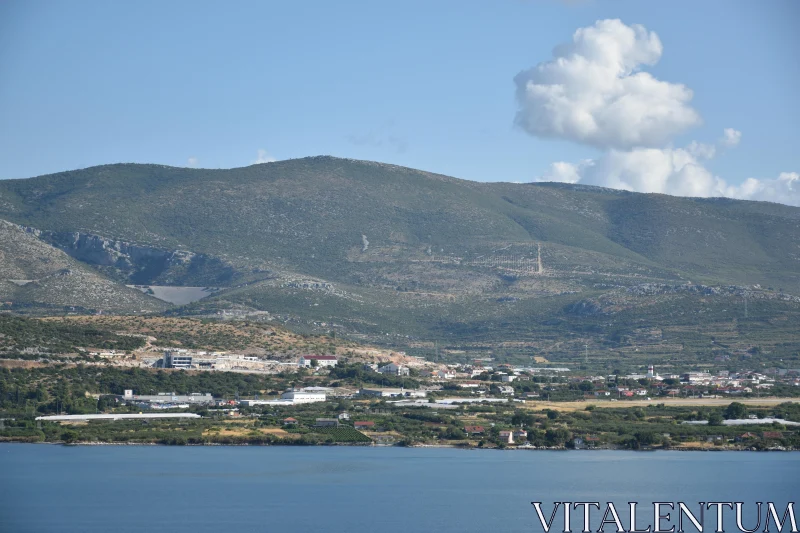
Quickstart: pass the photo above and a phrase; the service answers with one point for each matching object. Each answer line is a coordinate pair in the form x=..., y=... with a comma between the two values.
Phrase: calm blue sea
x=122, y=489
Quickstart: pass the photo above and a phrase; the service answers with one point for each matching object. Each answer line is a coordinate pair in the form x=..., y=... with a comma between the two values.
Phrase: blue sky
x=423, y=84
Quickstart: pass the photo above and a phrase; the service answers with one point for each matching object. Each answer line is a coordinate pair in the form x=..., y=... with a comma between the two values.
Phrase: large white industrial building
x=290, y=397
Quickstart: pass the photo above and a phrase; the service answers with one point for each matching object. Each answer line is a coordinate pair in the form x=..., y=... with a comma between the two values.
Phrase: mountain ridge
x=383, y=250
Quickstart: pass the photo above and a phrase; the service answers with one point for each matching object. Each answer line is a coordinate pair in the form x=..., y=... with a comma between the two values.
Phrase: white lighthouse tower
x=650, y=372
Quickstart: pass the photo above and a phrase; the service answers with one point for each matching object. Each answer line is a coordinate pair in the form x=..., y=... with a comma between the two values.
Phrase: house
x=326, y=423
x=507, y=378
x=602, y=393
x=343, y=416
x=444, y=374
x=393, y=369
x=322, y=360
x=531, y=395
x=290, y=421
x=772, y=435
x=474, y=430
x=745, y=436
x=520, y=434
x=507, y=436
x=364, y=424
x=506, y=389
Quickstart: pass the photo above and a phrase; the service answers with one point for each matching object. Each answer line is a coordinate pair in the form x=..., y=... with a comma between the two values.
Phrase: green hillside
x=408, y=257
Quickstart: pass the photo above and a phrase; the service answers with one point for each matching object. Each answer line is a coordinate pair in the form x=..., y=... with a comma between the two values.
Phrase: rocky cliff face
x=139, y=264
x=37, y=277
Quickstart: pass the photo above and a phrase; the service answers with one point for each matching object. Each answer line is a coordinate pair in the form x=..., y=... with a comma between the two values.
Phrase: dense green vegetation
x=343, y=434
x=356, y=374
x=62, y=388
x=27, y=338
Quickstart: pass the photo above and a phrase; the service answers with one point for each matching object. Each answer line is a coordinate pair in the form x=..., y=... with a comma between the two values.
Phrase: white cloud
x=675, y=171
x=785, y=189
x=731, y=137
x=593, y=91
x=192, y=162
x=263, y=157
x=702, y=150
x=564, y=172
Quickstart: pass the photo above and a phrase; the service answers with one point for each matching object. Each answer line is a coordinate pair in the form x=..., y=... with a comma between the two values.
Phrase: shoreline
x=417, y=446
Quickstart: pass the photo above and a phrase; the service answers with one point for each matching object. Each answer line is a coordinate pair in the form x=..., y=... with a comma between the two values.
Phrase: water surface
x=125, y=489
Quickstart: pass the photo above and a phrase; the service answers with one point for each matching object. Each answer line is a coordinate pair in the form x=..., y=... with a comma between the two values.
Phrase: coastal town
x=329, y=399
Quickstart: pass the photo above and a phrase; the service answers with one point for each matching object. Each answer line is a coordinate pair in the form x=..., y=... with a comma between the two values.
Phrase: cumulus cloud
x=192, y=162
x=702, y=150
x=564, y=172
x=731, y=137
x=675, y=171
x=263, y=157
x=784, y=189
x=594, y=92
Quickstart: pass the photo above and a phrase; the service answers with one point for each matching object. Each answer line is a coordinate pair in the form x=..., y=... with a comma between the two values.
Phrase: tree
x=521, y=418
x=455, y=433
x=715, y=419
x=41, y=395
x=645, y=438
x=736, y=410
x=557, y=436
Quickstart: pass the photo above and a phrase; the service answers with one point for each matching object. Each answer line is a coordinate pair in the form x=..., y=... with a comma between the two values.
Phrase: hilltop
x=423, y=261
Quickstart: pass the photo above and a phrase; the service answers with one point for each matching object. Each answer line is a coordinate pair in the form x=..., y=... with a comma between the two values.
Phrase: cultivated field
x=676, y=402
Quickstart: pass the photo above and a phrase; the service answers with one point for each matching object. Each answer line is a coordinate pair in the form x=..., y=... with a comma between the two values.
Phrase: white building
x=444, y=374
x=392, y=393
x=322, y=360
x=168, y=397
x=393, y=369
x=697, y=377
x=302, y=396
x=290, y=397
x=174, y=359
x=507, y=436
